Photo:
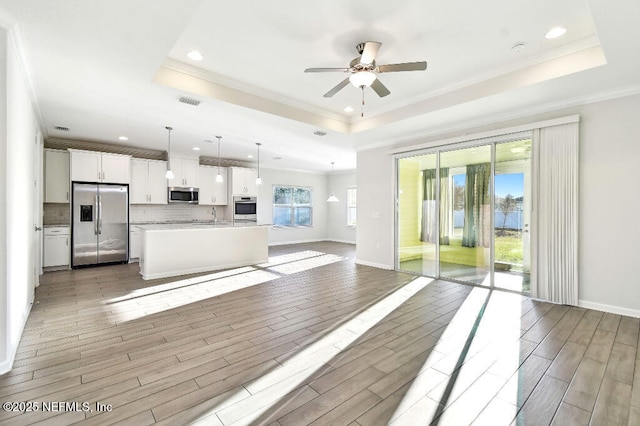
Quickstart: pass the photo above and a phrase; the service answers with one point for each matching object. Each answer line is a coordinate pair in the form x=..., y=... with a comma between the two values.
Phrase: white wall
x=18, y=172
x=609, y=244
x=609, y=231
x=375, y=181
x=337, y=229
x=4, y=314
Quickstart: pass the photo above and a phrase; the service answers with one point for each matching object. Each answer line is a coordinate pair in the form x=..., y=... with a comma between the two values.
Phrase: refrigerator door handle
x=100, y=215
x=95, y=217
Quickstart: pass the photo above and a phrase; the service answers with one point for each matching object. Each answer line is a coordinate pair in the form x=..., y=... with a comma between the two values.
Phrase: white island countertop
x=184, y=248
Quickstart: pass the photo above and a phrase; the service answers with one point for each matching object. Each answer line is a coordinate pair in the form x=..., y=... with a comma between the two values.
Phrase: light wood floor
x=312, y=338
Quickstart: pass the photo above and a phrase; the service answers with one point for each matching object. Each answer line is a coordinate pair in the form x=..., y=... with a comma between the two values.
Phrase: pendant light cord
x=219, y=137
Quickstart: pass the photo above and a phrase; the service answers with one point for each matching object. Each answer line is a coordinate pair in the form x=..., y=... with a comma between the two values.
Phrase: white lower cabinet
x=56, y=246
x=134, y=244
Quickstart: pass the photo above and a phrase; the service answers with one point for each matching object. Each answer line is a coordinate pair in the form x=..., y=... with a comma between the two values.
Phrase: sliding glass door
x=416, y=250
x=463, y=214
x=465, y=206
x=513, y=215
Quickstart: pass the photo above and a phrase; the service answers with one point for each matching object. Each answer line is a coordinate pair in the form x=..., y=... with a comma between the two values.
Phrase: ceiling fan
x=363, y=70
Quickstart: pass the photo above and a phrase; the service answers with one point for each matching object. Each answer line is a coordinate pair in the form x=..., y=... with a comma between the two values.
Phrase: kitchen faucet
x=215, y=215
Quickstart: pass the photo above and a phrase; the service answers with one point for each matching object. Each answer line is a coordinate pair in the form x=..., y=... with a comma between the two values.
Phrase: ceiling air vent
x=61, y=128
x=320, y=133
x=189, y=101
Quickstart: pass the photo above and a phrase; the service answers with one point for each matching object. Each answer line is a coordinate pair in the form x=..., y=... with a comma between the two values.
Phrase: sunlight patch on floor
x=274, y=387
x=511, y=281
x=169, y=295
x=141, y=306
x=480, y=353
x=173, y=285
x=290, y=257
x=306, y=264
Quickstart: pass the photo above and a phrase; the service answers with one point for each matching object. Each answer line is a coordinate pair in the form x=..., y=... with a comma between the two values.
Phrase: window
x=351, y=207
x=292, y=206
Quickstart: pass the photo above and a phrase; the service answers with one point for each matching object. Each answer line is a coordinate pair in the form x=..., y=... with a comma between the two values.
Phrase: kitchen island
x=169, y=250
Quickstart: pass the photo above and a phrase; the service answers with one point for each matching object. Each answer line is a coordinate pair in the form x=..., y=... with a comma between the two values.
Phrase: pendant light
x=169, y=174
x=258, y=179
x=219, y=177
x=332, y=198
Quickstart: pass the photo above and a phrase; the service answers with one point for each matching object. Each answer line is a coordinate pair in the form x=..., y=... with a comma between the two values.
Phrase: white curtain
x=555, y=215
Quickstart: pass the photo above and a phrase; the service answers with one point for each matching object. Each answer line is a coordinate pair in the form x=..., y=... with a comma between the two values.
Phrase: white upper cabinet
x=56, y=176
x=148, y=182
x=212, y=193
x=185, y=172
x=243, y=181
x=157, y=182
x=87, y=166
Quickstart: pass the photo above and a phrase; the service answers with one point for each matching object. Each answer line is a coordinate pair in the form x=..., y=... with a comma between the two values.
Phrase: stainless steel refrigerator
x=100, y=218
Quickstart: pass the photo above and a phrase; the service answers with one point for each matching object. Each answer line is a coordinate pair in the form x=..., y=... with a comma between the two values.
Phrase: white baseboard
x=609, y=308
x=318, y=240
x=340, y=241
x=176, y=273
x=375, y=265
x=284, y=243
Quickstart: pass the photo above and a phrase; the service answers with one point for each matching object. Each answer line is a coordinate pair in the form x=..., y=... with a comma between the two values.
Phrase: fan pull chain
x=362, y=106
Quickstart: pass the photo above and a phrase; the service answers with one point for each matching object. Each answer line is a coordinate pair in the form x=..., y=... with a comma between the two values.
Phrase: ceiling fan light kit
x=362, y=78
x=363, y=70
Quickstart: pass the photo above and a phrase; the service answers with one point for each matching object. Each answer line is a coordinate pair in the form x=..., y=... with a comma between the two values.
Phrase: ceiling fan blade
x=369, y=52
x=336, y=89
x=326, y=70
x=380, y=88
x=407, y=66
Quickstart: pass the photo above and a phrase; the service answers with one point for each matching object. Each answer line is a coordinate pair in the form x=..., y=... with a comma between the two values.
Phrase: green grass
x=508, y=247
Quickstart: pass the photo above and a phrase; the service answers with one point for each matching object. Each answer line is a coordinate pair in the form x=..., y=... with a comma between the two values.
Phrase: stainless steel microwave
x=183, y=195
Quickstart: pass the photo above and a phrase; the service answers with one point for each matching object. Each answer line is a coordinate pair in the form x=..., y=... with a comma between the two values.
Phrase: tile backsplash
x=173, y=212
x=58, y=214
x=55, y=214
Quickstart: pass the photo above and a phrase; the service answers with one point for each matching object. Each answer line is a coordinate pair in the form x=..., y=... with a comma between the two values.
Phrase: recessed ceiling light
x=196, y=148
x=555, y=32
x=348, y=109
x=123, y=138
x=249, y=156
x=195, y=55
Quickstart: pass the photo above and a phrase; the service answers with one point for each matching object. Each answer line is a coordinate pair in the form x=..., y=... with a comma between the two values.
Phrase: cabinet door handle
x=67, y=241
x=67, y=195
x=98, y=175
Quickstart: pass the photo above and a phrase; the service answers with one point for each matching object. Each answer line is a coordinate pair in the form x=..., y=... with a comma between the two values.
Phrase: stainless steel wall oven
x=245, y=209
